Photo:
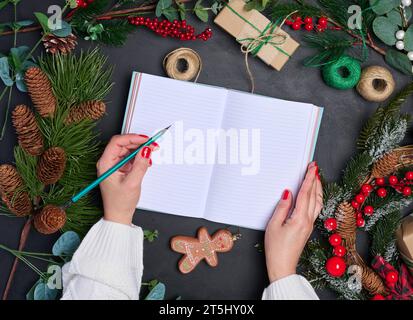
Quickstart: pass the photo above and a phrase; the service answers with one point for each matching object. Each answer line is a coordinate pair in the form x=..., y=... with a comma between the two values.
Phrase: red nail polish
x=155, y=144
x=285, y=195
x=150, y=162
x=316, y=171
x=146, y=152
x=143, y=136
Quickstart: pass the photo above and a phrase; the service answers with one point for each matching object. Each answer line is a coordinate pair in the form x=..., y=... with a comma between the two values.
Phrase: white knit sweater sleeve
x=293, y=287
x=107, y=265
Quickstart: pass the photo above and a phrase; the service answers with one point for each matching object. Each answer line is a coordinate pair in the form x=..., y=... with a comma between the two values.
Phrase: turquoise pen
x=116, y=167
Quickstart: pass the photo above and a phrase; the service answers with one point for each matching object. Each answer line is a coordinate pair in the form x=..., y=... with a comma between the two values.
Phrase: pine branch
x=115, y=32
x=384, y=238
x=373, y=130
x=331, y=45
x=77, y=79
x=356, y=172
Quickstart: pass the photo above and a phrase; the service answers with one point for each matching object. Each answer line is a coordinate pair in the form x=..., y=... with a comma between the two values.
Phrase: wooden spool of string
x=376, y=84
x=192, y=64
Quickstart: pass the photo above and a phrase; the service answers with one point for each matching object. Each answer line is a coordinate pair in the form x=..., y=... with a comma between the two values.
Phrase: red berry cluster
x=297, y=22
x=83, y=3
x=175, y=29
x=380, y=184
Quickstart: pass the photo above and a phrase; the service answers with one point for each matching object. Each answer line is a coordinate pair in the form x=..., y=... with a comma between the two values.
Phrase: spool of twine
x=342, y=74
x=187, y=56
x=376, y=84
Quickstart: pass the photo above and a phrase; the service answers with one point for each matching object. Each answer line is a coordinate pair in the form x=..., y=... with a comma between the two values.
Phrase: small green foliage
x=259, y=247
x=150, y=235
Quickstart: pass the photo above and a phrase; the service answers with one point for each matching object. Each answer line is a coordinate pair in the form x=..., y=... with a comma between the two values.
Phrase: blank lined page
x=286, y=130
x=155, y=102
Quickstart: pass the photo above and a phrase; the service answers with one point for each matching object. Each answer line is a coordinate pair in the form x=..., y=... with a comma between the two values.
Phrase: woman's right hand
x=286, y=236
x=121, y=191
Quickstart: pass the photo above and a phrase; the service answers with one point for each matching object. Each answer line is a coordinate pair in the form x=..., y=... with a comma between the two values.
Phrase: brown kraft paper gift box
x=243, y=24
x=405, y=241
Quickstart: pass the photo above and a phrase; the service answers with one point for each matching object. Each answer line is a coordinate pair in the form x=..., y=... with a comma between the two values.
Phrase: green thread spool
x=343, y=74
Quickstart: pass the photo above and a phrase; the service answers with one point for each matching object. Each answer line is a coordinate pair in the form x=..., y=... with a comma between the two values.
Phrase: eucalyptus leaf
x=4, y=3
x=30, y=294
x=25, y=23
x=381, y=7
x=43, y=20
x=181, y=10
x=67, y=244
x=157, y=293
x=43, y=292
x=408, y=39
x=200, y=11
x=20, y=83
x=385, y=30
x=399, y=61
x=162, y=6
x=19, y=55
x=63, y=32
x=396, y=18
x=5, y=71
x=259, y=5
x=171, y=13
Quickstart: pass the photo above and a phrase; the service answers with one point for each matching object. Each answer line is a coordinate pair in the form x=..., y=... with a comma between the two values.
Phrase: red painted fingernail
x=285, y=195
x=316, y=171
x=150, y=162
x=146, y=152
x=143, y=136
x=155, y=144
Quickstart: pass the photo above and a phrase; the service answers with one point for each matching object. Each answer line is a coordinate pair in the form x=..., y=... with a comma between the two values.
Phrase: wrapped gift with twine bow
x=405, y=241
x=257, y=35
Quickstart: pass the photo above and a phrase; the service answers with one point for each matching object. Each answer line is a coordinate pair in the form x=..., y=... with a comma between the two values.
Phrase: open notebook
x=254, y=148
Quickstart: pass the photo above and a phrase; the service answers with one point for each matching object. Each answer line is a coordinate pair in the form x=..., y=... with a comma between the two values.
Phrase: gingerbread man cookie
x=203, y=247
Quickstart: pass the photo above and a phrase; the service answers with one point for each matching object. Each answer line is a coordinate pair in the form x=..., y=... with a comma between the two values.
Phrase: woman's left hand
x=286, y=236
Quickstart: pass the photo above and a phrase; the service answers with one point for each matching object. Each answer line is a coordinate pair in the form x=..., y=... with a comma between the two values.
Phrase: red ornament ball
x=330, y=224
x=309, y=27
x=339, y=251
x=335, y=239
x=360, y=222
x=392, y=277
x=378, y=297
x=308, y=20
x=336, y=267
x=380, y=181
x=289, y=22
x=360, y=198
x=368, y=210
x=355, y=204
x=393, y=180
x=382, y=192
x=296, y=25
x=409, y=175
x=366, y=188
x=407, y=191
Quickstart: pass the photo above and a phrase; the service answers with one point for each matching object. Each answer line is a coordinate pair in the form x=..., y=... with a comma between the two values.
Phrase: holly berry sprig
x=296, y=22
x=336, y=265
x=175, y=29
x=83, y=3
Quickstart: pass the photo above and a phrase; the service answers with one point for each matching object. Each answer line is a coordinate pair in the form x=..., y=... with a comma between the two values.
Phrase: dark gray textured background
x=241, y=273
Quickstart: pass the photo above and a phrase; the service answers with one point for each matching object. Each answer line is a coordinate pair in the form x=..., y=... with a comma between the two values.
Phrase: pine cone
x=392, y=161
x=12, y=191
x=40, y=90
x=346, y=218
x=28, y=132
x=51, y=165
x=90, y=110
x=50, y=219
x=64, y=45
